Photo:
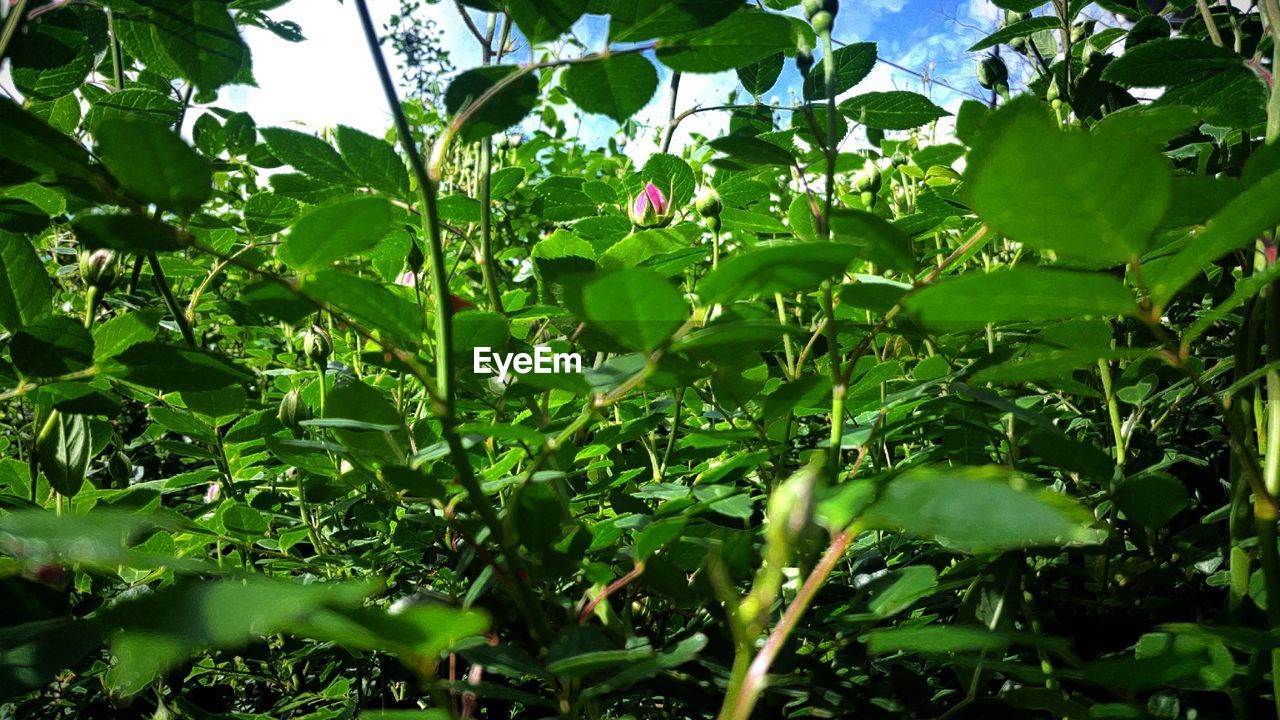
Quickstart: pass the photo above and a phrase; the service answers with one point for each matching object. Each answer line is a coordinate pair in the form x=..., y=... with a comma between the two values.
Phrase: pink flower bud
x=407, y=279
x=650, y=209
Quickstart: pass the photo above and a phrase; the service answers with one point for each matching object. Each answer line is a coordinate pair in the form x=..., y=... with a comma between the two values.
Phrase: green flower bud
x=868, y=179
x=120, y=468
x=1082, y=30
x=317, y=345
x=992, y=72
x=98, y=269
x=293, y=411
x=708, y=202
x=1052, y=93
x=822, y=22
x=868, y=199
x=813, y=7
x=415, y=258
x=1089, y=54
x=791, y=506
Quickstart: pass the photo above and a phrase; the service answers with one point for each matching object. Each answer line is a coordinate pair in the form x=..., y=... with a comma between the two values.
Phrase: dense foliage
x=877, y=419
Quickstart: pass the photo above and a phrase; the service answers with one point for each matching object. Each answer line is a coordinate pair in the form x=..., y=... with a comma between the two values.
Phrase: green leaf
x=1238, y=224
x=504, y=180
x=138, y=104
x=368, y=302
x=64, y=452
x=53, y=55
x=891, y=110
x=759, y=78
x=1091, y=199
x=308, y=154
x=1151, y=499
x=167, y=367
x=200, y=39
x=638, y=308
x=943, y=639
x=1231, y=98
x=657, y=535
x=506, y=107
x=162, y=628
x=335, y=231
x=773, y=269
x=1166, y=659
x=590, y=662
x=638, y=20
x=26, y=295
x=266, y=213
x=50, y=346
x=127, y=233
x=544, y=20
x=672, y=175
x=876, y=239
x=747, y=221
x=30, y=142
x=972, y=300
x=749, y=150
x=1020, y=29
x=683, y=652
x=743, y=38
x=121, y=332
x=374, y=161
x=979, y=509
x=208, y=135
x=62, y=114
x=899, y=590
x=477, y=328
x=853, y=64
x=1170, y=61
x=618, y=86
x=418, y=632
x=155, y=165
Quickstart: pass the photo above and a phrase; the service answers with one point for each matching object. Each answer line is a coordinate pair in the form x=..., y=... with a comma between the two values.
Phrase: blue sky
x=329, y=78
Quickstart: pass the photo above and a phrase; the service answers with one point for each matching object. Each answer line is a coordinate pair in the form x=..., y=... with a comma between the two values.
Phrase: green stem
x=487, y=267
x=828, y=302
x=117, y=57
x=670, y=130
x=1113, y=411
x=1271, y=15
x=829, y=75
x=485, y=185
x=16, y=14
x=91, y=297
x=179, y=317
x=428, y=188
x=837, y=385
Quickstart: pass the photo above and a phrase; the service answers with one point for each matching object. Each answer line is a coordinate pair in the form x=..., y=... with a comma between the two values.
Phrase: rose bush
x=890, y=410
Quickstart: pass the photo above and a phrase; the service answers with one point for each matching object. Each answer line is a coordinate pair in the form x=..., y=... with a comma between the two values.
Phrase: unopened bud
x=317, y=345
x=293, y=411
x=98, y=269
x=650, y=209
x=708, y=202
x=120, y=468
